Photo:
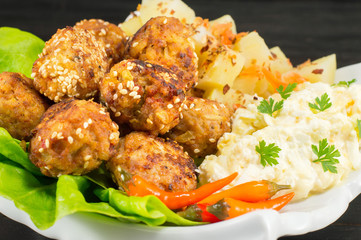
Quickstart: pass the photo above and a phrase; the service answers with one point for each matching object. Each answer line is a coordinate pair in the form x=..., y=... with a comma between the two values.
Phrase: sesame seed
x=165, y=21
x=169, y=106
x=181, y=115
x=120, y=86
x=135, y=44
x=119, y=169
x=177, y=100
x=115, y=73
x=87, y=157
x=54, y=135
x=197, y=150
x=137, y=97
x=81, y=135
x=136, y=88
x=85, y=125
x=215, y=107
x=123, y=91
x=115, y=96
x=33, y=75
x=107, y=45
x=60, y=135
x=191, y=106
x=78, y=131
x=133, y=94
x=70, y=140
x=130, y=67
x=149, y=65
x=41, y=150
x=113, y=136
x=114, y=125
x=185, y=106
x=47, y=144
x=212, y=140
x=39, y=138
x=149, y=121
x=117, y=114
x=102, y=112
x=113, y=109
x=86, y=164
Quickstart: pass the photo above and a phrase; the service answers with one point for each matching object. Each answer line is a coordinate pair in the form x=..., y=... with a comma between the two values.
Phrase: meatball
x=202, y=123
x=111, y=35
x=166, y=41
x=161, y=162
x=71, y=65
x=145, y=95
x=73, y=137
x=21, y=106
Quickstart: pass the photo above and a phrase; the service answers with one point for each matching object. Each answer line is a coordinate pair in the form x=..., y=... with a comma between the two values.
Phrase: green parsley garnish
x=268, y=153
x=286, y=93
x=326, y=155
x=359, y=128
x=269, y=107
x=321, y=104
x=345, y=83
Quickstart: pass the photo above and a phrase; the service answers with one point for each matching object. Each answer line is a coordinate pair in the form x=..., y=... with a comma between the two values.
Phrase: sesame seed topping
x=197, y=150
x=165, y=21
x=181, y=115
x=212, y=140
x=169, y=106
x=115, y=96
x=60, y=135
x=41, y=150
x=115, y=73
x=120, y=86
x=136, y=88
x=70, y=140
x=117, y=114
x=135, y=44
x=137, y=97
x=123, y=91
x=133, y=94
x=215, y=107
x=149, y=121
x=47, y=144
x=90, y=121
x=177, y=100
x=54, y=135
x=113, y=136
x=113, y=109
x=33, y=75
x=102, y=112
x=87, y=157
x=85, y=125
x=39, y=138
x=78, y=131
x=191, y=106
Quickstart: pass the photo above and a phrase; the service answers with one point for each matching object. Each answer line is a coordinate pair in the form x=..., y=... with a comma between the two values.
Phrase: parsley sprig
x=321, y=104
x=358, y=122
x=268, y=153
x=326, y=155
x=345, y=83
x=270, y=106
x=286, y=93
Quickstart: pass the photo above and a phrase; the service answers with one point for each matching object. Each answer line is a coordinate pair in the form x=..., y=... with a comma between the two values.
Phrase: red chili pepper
x=198, y=212
x=229, y=208
x=175, y=200
x=253, y=191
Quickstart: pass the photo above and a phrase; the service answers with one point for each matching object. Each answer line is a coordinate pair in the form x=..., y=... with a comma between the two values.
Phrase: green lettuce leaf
x=148, y=209
x=10, y=148
x=18, y=50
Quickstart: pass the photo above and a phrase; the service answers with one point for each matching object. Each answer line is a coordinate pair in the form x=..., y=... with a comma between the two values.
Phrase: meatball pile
x=119, y=100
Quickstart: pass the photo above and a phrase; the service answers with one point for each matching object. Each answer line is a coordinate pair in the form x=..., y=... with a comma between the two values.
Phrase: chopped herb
x=345, y=83
x=286, y=93
x=269, y=107
x=268, y=153
x=321, y=104
x=326, y=155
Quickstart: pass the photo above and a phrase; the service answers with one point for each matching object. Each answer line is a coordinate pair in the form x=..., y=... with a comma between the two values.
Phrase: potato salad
x=297, y=129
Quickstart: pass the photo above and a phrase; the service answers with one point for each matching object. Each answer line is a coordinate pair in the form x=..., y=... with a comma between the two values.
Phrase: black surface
x=303, y=29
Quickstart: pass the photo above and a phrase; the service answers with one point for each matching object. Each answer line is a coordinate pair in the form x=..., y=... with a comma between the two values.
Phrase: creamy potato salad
x=293, y=129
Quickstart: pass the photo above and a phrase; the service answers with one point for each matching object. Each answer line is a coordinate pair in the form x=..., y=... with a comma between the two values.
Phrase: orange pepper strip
x=175, y=200
x=253, y=191
x=228, y=208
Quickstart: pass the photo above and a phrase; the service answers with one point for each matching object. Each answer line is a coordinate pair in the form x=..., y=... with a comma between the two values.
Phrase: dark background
x=303, y=29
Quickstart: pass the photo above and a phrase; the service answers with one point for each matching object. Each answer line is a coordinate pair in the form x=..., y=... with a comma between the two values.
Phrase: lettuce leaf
x=46, y=200
x=18, y=50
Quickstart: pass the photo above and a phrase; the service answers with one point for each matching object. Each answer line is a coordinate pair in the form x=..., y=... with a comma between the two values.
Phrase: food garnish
x=253, y=191
x=270, y=106
x=326, y=155
x=359, y=128
x=268, y=153
x=345, y=83
x=175, y=200
x=321, y=104
x=286, y=93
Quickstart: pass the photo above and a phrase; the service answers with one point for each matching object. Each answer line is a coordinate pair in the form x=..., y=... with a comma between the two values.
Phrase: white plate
x=309, y=215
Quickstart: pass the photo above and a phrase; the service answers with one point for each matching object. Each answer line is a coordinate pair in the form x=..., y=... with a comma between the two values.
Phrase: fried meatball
x=159, y=161
x=111, y=35
x=71, y=65
x=73, y=137
x=145, y=95
x=166, y=41
x=21, y=106
x=202, y=123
